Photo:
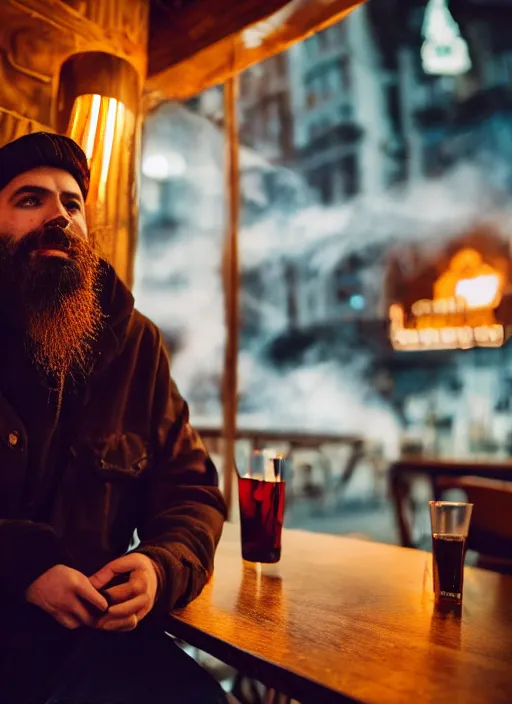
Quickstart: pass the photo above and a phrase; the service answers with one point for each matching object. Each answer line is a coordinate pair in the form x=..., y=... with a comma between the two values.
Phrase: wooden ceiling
x=194, y=44
x=180, y=28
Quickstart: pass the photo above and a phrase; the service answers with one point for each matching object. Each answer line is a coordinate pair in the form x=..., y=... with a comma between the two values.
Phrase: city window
x=349, y=170
x=317, y=88
x=311, y=45
x=323, y=40
x=339, y=31
x=273, y=120
x=393, y=106
x=325, y=84
x=333, y=78
x=280, y=64
x=346, y=80
x=322, y=182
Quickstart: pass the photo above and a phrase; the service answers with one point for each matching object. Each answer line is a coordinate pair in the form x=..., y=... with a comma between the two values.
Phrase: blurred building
x=342, y=127
x=265, y=109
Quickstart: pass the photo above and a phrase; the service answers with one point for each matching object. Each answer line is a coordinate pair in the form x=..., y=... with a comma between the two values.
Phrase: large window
x=357, y=170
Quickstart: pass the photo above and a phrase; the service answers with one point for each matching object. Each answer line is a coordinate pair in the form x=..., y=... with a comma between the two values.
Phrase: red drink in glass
x=261, y=518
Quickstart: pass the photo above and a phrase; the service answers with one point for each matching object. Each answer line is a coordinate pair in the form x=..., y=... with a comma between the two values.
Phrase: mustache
x=50, y=237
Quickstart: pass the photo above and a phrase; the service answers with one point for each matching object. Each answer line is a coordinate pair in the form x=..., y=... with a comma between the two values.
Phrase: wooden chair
x=490, y=532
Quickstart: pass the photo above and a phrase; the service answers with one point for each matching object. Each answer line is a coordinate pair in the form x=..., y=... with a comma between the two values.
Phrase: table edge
x=270, y=674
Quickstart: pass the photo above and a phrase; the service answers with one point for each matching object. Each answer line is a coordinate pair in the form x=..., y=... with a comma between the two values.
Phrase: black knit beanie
x=44, y=149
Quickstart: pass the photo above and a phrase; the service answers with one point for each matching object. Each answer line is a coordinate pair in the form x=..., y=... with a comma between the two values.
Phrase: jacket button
x=13, y=439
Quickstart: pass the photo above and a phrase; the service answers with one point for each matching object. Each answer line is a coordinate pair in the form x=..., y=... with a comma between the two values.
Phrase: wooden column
x=231, y=284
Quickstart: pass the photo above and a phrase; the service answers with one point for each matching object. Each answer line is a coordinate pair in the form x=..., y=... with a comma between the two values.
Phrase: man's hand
x=129, y=602
x=68, y=596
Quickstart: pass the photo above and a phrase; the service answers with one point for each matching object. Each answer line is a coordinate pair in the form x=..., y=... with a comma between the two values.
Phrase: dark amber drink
x=448, y=565
x=261, y=518
x=450, y=527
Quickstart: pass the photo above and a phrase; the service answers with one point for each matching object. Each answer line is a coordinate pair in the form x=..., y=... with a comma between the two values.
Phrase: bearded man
x=95, y=444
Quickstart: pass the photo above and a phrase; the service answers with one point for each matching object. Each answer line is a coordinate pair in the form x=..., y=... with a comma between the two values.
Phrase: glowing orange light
x=461, y=313
x=108, y=142
x=92, y=126
x=472, y=279
x=480, y=291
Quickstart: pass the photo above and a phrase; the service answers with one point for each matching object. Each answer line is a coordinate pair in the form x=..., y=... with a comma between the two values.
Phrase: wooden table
x=352, y=621
x=403, y=472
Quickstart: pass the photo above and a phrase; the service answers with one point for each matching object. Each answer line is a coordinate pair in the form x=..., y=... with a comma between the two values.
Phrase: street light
x=161, y=167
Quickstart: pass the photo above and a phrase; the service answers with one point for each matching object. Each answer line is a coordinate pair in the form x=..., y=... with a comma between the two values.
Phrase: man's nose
x=58, y=221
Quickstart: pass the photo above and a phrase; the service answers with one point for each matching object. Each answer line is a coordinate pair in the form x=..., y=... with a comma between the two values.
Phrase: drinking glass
x=261, y=492
x=450, y=526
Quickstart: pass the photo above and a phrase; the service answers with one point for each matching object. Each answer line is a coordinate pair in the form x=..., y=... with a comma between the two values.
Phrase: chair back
x=490, y=532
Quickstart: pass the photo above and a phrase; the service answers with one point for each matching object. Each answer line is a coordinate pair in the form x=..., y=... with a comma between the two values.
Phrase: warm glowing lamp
x=98, y=124
x=98, y=107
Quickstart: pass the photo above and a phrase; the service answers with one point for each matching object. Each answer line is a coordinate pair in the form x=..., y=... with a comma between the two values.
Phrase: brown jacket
x=121, y=456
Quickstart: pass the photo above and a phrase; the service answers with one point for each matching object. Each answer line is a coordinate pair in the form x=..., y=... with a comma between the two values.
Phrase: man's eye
x=73, y=206
x=29, y=202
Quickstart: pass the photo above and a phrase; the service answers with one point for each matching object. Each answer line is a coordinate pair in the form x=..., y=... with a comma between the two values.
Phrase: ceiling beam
x=177, y=34
x=217, y=62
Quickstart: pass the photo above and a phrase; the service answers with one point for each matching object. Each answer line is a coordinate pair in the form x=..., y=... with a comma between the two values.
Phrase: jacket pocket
x=115, y=457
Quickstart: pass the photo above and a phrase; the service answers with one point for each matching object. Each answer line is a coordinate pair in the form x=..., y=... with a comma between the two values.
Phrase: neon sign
x=444, y=51
x=447, y=337
x=461, y=313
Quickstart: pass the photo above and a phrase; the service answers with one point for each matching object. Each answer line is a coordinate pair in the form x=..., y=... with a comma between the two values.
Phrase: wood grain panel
x=178, y=31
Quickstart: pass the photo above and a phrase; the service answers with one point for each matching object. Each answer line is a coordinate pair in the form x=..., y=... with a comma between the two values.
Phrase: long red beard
x=60, y=338
x=55, y=300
